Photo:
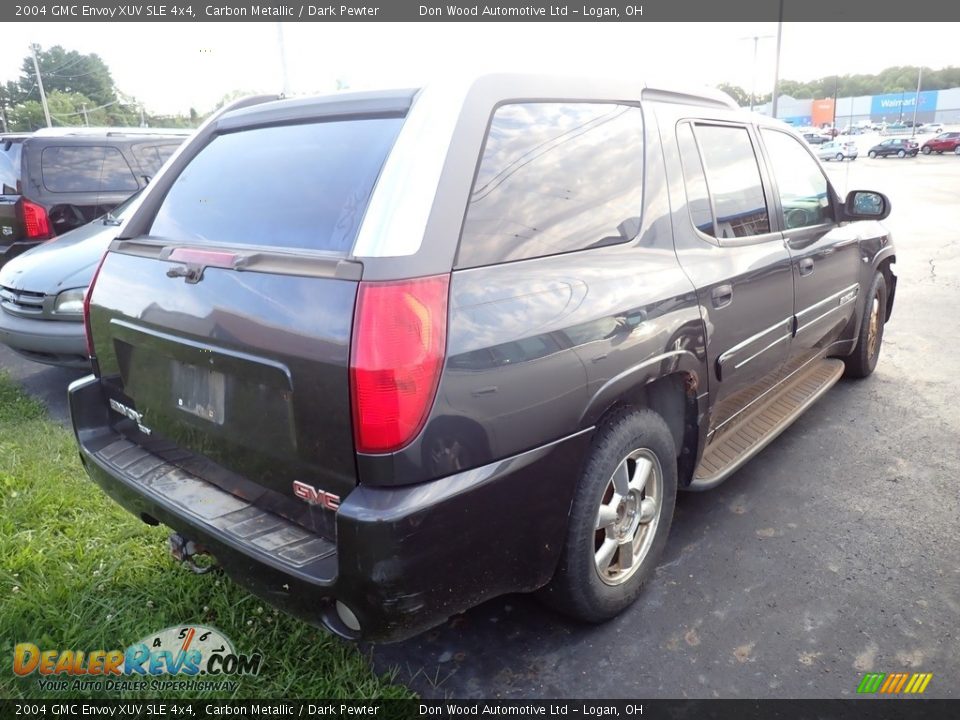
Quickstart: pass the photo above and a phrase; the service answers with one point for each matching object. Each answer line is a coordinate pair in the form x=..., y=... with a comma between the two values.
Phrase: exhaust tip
x=347, y=617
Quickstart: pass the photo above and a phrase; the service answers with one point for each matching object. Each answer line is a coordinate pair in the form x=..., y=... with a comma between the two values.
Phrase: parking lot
x=831, y=554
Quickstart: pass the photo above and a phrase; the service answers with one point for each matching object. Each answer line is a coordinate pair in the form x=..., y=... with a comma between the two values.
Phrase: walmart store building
x=941, y=106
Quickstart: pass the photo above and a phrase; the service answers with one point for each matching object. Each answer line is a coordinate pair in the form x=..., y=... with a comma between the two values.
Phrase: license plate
x=198, y=391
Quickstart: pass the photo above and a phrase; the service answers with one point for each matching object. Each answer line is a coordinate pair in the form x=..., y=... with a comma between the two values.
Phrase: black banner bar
x=852, y=11
x=892, y=709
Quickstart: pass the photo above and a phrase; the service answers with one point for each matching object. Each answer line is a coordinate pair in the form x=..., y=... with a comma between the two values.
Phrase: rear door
x=227, y=326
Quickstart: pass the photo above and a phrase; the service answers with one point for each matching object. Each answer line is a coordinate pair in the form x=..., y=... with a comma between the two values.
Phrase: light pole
x=753, y=86
x=776, y=66
x=916, y=103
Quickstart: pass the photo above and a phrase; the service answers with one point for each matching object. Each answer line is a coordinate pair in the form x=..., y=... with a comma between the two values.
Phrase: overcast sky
x=171, y=67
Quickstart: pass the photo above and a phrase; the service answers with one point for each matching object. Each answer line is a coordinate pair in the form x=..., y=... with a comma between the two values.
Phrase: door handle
x=722, y=295
x=806, y=266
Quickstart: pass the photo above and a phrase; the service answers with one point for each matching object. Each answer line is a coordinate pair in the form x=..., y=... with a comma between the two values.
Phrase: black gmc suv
x=387, y=355
x=56, y=180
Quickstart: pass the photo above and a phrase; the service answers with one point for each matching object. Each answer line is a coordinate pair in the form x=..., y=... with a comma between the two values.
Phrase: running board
x=729, y=449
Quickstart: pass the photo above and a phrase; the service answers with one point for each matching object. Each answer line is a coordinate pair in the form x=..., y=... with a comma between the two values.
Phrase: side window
x=698, y=202
x=804, y=192
x=86, y=169
x=555, y=178
x=734, y=180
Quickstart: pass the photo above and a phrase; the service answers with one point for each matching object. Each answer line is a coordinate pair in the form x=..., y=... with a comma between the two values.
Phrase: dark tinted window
x=801, y=183
x=8, y=175
x=297, y=186
x=86, y=168
x=10, y=170
x=555, y=178
x=734, y=179
x=151, y=157
x=698, y=203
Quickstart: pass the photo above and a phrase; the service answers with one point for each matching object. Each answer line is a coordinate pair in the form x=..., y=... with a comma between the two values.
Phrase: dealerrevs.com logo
x=184, y=657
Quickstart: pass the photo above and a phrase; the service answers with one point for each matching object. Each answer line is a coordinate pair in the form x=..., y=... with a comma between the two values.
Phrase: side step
x=730, y=448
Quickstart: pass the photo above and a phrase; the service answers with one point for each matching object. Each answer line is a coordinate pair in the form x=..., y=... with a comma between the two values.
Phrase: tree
x=68, y=72
x=739, y=95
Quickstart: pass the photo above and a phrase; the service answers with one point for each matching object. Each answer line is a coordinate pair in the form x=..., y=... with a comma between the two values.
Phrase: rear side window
x=87, y=168
x=555, y=177
x=734, y=179
x=151, y=157
x=698, y=202
x=291, y=186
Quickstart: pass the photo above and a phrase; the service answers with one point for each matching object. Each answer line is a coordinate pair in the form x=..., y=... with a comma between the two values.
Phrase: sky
x=171, y=67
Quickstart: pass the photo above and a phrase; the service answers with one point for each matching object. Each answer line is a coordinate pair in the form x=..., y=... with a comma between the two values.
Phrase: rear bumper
x=403, y=560
x=54, y=342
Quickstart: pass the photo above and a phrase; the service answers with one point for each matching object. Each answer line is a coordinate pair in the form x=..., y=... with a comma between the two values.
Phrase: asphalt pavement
x=831, y=554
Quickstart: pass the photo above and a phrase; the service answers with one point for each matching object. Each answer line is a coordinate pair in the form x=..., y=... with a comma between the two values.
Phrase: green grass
x=78, y=572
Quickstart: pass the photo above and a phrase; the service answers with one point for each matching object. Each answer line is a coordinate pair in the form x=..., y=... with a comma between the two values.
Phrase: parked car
x=837, y=150
x=932, y=128
x=945, y=142
x=62, y=178
x=42, y=290
x=480, y=351
x=815, y=138
x=900, y=147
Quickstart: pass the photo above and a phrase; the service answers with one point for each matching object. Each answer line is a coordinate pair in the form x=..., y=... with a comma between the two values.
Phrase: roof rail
x=110, y=131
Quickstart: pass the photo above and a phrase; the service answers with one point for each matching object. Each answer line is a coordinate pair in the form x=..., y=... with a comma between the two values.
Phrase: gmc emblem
x=316, y=497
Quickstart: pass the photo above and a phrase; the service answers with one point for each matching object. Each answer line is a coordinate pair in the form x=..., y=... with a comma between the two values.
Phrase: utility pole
x=916, y=102
x=43, y=95
x=86, y=120
x=143, y=119
x=776, y=67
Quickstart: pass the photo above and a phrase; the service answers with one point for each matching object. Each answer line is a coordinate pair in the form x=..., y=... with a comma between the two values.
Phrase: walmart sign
x=891, y=106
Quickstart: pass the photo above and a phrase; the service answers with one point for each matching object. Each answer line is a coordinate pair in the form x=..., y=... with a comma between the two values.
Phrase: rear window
x=151, y=157
x=8, y=176
x=554, y=178
x=87, y=168
x=290, y=186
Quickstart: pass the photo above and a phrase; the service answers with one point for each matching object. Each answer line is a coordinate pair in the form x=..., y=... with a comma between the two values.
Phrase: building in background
x=941, y=106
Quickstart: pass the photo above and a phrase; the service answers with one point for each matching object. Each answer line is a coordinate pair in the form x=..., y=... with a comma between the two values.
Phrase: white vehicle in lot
x=837, y=150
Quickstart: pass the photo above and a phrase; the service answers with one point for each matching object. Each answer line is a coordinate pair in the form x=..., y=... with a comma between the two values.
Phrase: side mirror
x=866, y=205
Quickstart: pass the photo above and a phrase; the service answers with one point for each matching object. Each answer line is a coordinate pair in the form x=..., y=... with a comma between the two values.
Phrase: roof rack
x=110, y=131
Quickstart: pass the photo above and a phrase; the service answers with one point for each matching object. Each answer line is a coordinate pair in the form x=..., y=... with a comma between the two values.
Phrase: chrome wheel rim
x=873, y=329
x=628, y=516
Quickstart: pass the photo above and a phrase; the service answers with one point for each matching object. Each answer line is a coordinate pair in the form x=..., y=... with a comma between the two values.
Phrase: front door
x=825, y=255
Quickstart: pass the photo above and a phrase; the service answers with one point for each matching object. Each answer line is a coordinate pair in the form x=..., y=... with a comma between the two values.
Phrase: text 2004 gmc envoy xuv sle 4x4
x=387, y=355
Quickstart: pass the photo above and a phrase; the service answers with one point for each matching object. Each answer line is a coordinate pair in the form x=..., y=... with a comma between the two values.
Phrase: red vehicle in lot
x=944, y=142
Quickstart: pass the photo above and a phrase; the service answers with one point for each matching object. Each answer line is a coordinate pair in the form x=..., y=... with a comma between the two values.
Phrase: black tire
x=577, y=589
x=901, y=153
x=872, y=153
x=863, y=360
x=926, y=150
x=840, y=157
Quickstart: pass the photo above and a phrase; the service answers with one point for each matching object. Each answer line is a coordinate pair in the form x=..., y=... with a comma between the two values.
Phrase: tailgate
x=246, y=369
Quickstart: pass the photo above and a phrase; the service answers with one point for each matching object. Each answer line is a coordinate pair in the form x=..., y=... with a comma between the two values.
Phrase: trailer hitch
x=185, y=551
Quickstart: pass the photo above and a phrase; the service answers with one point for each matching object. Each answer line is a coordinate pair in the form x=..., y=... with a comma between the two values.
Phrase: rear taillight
x=36, y=224
x=399, y=340
x=86, y=307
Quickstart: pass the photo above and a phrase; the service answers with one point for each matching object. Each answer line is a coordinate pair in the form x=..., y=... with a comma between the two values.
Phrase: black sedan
x=901, y=147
